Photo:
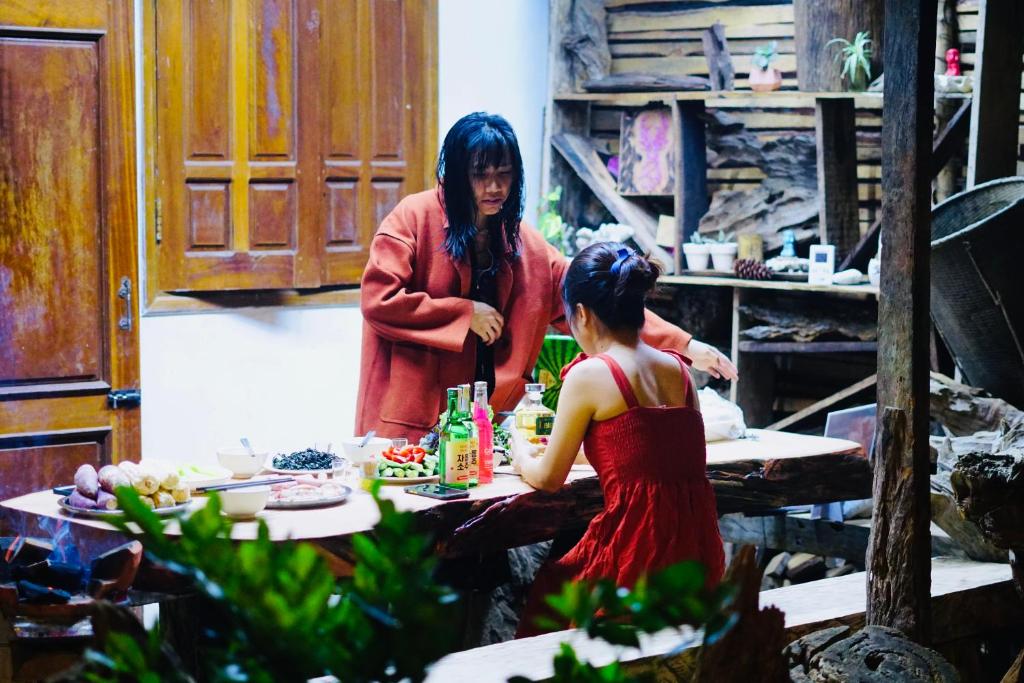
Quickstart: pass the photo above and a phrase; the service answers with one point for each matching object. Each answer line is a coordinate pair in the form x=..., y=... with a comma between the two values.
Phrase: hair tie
x=623, y=255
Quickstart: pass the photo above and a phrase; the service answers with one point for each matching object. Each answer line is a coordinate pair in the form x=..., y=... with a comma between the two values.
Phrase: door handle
x=125, y=293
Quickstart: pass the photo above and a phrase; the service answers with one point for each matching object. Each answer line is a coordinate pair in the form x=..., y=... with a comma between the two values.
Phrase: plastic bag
x=723, y=420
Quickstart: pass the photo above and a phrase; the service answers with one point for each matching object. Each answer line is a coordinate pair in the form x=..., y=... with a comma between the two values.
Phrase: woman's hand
x=487, y=323
x=710, y=360
x=522, y=450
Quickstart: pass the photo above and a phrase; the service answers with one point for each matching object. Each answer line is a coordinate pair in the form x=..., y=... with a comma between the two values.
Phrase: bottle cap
x=535, y=388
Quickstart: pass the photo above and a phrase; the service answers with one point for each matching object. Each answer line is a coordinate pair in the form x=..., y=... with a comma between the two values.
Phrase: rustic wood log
x=785, y=532
x=989, y=488
x=645, y=82
x=899, y=574
x=716, y=51
x=585, y=43
x=964, y=410
x=752, y=649
x=581, y=156
x=964, y=532
x=819, y=22
x=875, y=653
x=792, y=158
x=113, y=571
x=801, y=321
x=765, y=211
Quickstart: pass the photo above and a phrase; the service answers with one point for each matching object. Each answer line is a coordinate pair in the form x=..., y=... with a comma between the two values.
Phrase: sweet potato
x=111, y=476
x=106, y=501
x=76, y=499
x=87, y=482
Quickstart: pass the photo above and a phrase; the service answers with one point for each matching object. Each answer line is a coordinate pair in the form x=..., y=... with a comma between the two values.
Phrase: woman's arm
x=548, y=470
x=393, y=310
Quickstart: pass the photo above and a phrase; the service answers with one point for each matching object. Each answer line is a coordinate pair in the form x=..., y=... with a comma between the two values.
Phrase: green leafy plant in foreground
x=273, y=611
x=673, y=597
x=550, y=222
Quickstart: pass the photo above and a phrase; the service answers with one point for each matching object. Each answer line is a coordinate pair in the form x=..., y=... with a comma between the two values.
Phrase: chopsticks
x=245, y=484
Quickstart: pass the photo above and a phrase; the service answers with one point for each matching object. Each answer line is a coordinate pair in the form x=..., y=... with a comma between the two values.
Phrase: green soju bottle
x=455, y=445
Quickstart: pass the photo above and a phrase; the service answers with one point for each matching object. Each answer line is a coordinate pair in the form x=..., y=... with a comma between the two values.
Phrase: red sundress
x=659, y=505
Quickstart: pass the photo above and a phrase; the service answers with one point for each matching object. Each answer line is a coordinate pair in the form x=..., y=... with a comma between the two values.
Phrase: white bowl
x=238, y=460
x=244, y=503
x=363, y=457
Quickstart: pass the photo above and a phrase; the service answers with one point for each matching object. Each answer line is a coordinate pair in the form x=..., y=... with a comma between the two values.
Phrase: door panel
x=285, y=129
x=68, y=236
x=53, y=278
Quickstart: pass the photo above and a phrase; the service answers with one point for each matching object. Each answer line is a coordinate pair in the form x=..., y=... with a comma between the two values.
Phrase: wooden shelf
x=809, y=347
x=783, y=99
x=705, y=280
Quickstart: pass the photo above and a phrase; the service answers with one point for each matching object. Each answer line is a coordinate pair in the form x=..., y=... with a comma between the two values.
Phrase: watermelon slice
x=557, y=351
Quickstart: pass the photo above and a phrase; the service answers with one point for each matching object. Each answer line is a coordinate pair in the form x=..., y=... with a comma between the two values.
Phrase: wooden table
x=763, y=471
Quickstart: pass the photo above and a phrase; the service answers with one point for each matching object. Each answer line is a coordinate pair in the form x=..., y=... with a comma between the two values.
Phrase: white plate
x=196, y=480
x=303, y=504
x=107, y=514
x=407, y=480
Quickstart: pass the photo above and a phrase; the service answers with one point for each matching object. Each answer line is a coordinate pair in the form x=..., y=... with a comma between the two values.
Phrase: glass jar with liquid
x=534, y=419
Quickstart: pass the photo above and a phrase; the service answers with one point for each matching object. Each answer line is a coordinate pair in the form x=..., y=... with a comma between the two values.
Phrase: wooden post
x=899, y=567
x=993, y=144
x=691, y=195
x=836, y=128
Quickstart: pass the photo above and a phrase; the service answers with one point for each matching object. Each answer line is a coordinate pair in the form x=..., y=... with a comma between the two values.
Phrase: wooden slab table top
x=764, y=470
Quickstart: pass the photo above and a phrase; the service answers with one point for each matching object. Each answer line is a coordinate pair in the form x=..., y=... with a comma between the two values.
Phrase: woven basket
x=977, y=284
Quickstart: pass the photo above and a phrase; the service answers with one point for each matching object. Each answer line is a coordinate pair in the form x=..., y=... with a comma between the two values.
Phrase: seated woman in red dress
x=635, y=410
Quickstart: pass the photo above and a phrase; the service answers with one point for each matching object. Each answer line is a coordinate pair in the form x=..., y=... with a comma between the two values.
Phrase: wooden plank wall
x=664, y=36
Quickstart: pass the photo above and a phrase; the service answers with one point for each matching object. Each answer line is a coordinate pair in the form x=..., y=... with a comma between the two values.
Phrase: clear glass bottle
x=484, y=431
x=534, y=419
x=454, y=445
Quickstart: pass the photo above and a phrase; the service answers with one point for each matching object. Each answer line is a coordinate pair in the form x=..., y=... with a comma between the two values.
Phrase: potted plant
x=697, y=251
x=856, y=59
x=763, y=76
x=723, y=253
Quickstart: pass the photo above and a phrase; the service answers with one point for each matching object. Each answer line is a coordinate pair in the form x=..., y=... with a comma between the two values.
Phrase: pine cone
x=749, y=269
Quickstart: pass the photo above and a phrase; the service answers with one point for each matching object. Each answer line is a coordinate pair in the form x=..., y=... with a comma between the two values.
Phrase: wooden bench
x=967, y=599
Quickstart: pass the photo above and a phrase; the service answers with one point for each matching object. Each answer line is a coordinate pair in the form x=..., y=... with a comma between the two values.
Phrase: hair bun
x=637, y=277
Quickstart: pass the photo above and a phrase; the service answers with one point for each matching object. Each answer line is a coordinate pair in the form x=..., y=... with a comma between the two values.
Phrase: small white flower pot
x=723, y=255
x=696, y=255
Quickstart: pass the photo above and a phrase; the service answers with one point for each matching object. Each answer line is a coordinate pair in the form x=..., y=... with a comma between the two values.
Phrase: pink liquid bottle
x=485, y=430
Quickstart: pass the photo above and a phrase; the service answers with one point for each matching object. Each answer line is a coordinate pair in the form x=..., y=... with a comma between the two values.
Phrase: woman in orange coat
x=458, y=289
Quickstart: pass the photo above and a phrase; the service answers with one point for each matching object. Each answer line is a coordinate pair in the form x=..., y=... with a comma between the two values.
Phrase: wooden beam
x=899, y=564
x=826, y=402
x=716, y=51
x=582, y=157
x=994, y=119
x=836, y=127
x=691, y=193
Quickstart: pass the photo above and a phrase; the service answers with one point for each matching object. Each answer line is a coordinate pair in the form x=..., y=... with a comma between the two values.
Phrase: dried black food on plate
x=308, y=459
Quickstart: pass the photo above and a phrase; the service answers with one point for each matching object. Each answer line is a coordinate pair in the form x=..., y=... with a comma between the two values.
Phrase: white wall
x=493, y=57
x=287, y=378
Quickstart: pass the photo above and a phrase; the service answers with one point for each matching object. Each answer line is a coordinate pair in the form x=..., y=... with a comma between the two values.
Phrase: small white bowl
x=240, y=462
x=244, y=503
x=361, y=457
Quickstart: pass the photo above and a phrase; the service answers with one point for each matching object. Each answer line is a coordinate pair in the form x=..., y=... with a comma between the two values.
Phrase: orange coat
x=416, y=315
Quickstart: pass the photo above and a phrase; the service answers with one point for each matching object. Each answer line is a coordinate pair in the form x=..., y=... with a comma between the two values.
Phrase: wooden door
x=285, y=131
x=68, y=274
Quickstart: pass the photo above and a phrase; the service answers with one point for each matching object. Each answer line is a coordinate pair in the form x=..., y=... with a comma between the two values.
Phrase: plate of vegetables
x=307, y=461
x=157, y=484
x=410, y=464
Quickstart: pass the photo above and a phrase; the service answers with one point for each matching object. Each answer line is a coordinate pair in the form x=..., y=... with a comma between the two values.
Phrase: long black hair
x=478, y=141
x=613, y=281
